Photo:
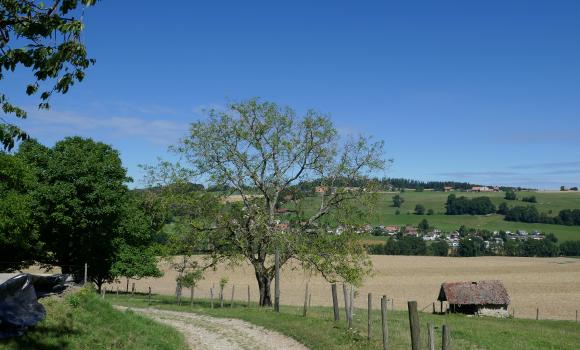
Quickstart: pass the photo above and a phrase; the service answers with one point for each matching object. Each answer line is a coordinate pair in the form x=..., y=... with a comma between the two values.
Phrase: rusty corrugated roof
x=474, y=293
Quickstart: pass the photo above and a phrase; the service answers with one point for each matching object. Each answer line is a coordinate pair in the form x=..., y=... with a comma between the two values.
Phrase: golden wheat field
x=550, y=284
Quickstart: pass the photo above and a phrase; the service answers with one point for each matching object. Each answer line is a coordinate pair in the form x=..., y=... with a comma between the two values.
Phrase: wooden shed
x=482, y=298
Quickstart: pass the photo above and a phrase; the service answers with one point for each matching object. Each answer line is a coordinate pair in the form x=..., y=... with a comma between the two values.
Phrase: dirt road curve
x=205, y=332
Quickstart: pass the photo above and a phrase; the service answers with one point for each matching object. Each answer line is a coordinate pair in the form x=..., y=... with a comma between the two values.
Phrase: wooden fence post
x=414, y=325
x=445, y=341
x=222, y=296
x=335, y=303
x=102, y=292
x=233, y=292
x=211, y=297
x=576, y=315
x=392, y=304
x=369, y=315
x=431, y=336
x=277, y=281
x=537, y=313
x=248, y=295
x=346, y=306
x=149, y=298
x=351, y=304
x=192, y=290
x=132, y=288
x=117, y=290
x=384, y=322
x=305, y=301
x=434, y=309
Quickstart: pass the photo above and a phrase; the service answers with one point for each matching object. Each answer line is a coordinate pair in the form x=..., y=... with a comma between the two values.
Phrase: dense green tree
x=398, y=201
x=569, y=217
x=407, y=245
x=439, y=248
x=523, y=214
x=511, y=248
x=420, y=209
x=543, y=248
x=423, y=225
x=19, y=237
x=81, y=196
x=430, y=212
x=550, y=237
x=463, y=231
x=136, y=246
x=132, y=262
x=473, y=206
x=510, y=195
x=530, y=199
x=503, y=208
x=471, y=246
x=43, y=36
x=570, y=248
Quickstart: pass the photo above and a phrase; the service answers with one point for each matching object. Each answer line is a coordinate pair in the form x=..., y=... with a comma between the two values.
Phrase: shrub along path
x=205, y=332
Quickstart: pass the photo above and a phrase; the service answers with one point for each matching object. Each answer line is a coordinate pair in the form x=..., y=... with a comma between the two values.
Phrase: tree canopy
x=81, y=194
x=258, y=150
x=45, y=37
x=19, y=237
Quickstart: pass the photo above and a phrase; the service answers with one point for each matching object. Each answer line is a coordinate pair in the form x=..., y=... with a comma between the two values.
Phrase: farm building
x=482, y=298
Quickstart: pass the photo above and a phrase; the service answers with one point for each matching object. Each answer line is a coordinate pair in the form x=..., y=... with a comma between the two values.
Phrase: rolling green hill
x=549, y=202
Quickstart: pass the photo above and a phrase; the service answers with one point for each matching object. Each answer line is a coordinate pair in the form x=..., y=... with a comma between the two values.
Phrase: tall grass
x=83, y=321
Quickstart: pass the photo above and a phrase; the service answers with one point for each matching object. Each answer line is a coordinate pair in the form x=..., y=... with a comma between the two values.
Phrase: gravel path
x=205, y=332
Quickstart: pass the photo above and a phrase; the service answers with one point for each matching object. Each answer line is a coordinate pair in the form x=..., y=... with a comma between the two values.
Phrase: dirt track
x=205, y=332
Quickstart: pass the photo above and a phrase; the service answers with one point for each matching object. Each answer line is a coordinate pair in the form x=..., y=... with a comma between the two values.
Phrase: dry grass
x=552, y=284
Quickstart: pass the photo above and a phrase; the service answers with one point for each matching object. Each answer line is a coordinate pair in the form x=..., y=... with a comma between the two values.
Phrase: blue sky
x=486, y=92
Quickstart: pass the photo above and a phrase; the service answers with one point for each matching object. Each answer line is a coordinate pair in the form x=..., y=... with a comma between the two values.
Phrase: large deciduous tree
x=136, y=246
x=43, y=36
x=19, y=241
x=259, y=150
x=81, y=198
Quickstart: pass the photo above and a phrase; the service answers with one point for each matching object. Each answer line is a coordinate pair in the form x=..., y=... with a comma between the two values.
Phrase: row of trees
x=409, y=245
x=531, y=214
x=386, y=184
x=471, y=246
x=472, y=206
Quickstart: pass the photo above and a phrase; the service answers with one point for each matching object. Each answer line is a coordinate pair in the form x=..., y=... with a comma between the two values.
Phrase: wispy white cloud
x=66, y=123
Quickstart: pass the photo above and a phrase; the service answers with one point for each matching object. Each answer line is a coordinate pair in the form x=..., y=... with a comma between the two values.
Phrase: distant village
x=452, y=238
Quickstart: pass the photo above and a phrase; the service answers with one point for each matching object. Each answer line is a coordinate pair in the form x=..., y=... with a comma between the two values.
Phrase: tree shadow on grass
x=41, y=337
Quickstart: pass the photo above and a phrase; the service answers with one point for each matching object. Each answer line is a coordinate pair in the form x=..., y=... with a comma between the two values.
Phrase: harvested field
x=551, y=284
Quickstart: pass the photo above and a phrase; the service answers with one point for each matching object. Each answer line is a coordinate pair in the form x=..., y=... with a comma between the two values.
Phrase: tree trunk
x=191, y=298
x=263, y=285
x=127, y=285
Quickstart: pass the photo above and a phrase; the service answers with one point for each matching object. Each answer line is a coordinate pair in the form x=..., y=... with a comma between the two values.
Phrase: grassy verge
x=319, y=331
x=82, y=321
